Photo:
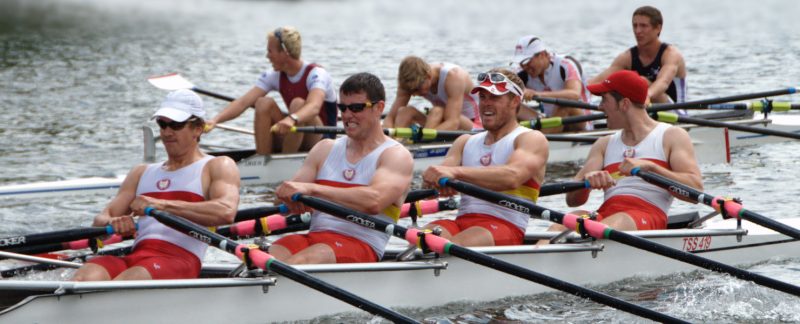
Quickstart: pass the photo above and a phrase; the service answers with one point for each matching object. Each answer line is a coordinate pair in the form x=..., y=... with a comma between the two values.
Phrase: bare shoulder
x=222, y=163
x=677, y=136
x=322, y=148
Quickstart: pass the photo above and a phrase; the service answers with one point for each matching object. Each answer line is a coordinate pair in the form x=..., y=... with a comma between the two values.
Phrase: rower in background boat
x=307, y=91
x=365, y=170
x=665, y=69
x=550, y=75
x=446, y=86
x=506, y=157
x=201, y=188
x=631, y=203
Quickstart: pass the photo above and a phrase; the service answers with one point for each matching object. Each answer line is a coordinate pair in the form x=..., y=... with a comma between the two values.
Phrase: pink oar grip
x=276, y=222
x=429, y=206
x=570, y=221
x=436, y=243
x=84, y=243
x=411, y=236
x=258, y=257
x=594, y=228
x=731, y=207
x=244, y=228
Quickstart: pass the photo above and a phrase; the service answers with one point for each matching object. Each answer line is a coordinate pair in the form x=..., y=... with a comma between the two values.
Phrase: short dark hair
x=364, y=82
x=652, y=13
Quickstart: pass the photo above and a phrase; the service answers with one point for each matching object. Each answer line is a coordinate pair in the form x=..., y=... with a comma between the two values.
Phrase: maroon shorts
x=646, y=216
x=163, y=260
x=503, y=232
x=347, y=249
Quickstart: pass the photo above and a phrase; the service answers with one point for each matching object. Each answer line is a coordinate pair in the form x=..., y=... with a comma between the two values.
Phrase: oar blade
x=172, y=81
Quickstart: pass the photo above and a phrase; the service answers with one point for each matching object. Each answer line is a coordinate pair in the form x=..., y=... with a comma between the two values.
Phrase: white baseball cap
x=180, y=105
x=527, y=47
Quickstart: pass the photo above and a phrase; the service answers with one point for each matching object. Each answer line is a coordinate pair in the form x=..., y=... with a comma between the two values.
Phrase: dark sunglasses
x=356, y=107
x=176, y=126
x=279, y=35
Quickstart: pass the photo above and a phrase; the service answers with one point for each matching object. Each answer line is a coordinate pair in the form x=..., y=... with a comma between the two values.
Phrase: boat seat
x=682, y=220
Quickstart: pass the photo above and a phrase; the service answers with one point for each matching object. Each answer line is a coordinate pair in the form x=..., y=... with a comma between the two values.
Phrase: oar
x=602, y=231
x=562, y=187
x=419, y=135
x=253, y=256
x=444, y=246
x=31, y=258
x=727, y=207
x=759, y=105
x=673, y=118
x=54, y=237
x=174, y=81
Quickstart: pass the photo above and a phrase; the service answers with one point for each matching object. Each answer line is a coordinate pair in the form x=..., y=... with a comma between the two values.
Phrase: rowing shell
x=419, y=284
x=712, y=145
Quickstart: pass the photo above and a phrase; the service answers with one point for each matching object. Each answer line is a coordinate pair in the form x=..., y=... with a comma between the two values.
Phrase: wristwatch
x=295, y=118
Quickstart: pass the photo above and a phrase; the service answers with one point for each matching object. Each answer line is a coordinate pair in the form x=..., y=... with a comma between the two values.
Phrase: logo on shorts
x=349, y=174
x=486, y=159
x=338, y=244
x=156, y=266
x=162, y=184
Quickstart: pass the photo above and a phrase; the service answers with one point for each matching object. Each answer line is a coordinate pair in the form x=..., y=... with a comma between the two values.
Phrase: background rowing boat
x=75, y=93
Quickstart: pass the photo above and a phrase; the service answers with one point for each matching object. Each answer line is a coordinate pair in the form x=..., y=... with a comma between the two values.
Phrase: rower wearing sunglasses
x=446, y=86
x=550, y=75
x=199, y=187
x=365, y=170
x=306, y=89
x=506, y=157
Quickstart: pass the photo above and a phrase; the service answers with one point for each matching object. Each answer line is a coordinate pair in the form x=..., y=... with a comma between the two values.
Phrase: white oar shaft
x=30, y=258
x=235, y=129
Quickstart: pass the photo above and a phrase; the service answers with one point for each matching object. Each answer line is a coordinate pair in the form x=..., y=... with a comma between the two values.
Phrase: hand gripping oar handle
x=267, y=262
x=444, y=246
x=728, y=207
x=600, y=231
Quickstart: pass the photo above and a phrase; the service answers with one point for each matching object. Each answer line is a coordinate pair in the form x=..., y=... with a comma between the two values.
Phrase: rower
x=660, y=63
x=306, y=89
x=365, y=170
x=506, y=157
x=631, y=203
x=199, y=187
x=550, y=75
x=446, y=86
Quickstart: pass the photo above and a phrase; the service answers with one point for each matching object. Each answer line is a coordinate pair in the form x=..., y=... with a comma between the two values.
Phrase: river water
x=73, y=95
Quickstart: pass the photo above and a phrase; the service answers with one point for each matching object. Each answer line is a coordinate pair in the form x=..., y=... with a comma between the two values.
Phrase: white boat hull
x=418, y=287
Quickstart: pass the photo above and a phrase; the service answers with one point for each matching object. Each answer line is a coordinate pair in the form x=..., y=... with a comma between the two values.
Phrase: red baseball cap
x=625, y=82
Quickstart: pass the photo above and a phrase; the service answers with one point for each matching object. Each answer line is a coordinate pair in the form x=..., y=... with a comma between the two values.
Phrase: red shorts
x=347, y=249
x=503, y=232
x=163, y=260
x=646, y=216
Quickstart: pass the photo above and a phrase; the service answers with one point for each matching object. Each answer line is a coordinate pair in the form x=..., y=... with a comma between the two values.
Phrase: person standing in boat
x=446, y=86
x=631, y=203
x=307, y=91
x=365, y=170
x=550, y=75
x=201, y=188
x=506, y=157
x=660, y=63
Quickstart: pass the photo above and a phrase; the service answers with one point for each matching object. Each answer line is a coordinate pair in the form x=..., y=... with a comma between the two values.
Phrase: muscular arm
x=400, y=100
x=455, y=88
x=120, y=205
x=622, y=62
x=670, y=63
x=222, y=197
x=238, y=106
x=527, y=161
x=592, y=168
x=571, y=91
x=312, y=106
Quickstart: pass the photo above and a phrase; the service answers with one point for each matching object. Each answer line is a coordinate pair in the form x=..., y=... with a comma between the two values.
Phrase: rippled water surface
x=74, y=95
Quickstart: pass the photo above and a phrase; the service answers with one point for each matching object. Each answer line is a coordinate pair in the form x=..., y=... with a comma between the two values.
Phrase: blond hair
x=412, y=72
x=289, y=39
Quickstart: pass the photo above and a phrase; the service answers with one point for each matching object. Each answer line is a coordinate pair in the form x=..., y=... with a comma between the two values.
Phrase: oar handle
x=710, y=101
x=253, y=213
x=566, y=103
x=562, y=187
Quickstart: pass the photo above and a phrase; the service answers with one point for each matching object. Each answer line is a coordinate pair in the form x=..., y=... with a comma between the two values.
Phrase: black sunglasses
x=176, y=126
x=356, y=107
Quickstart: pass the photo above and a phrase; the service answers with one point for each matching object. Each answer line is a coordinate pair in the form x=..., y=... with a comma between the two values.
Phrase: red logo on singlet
x=349, y=174
x=162, y=184
x=486, y=159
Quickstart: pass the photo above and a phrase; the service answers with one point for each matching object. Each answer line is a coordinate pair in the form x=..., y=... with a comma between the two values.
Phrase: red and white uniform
x=470, y=106
x=552, y=80
x=634, y=192
x=311, y=76
x=336, y=171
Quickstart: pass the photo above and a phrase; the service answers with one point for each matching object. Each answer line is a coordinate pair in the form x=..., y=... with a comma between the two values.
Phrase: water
x=74, y=94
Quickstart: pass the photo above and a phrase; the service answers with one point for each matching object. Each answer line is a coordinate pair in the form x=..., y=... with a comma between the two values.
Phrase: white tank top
x=185, y=184
x=470, y=106
x=478, y=154
x=554, y=82
x=338, y=172
x=651, y=148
